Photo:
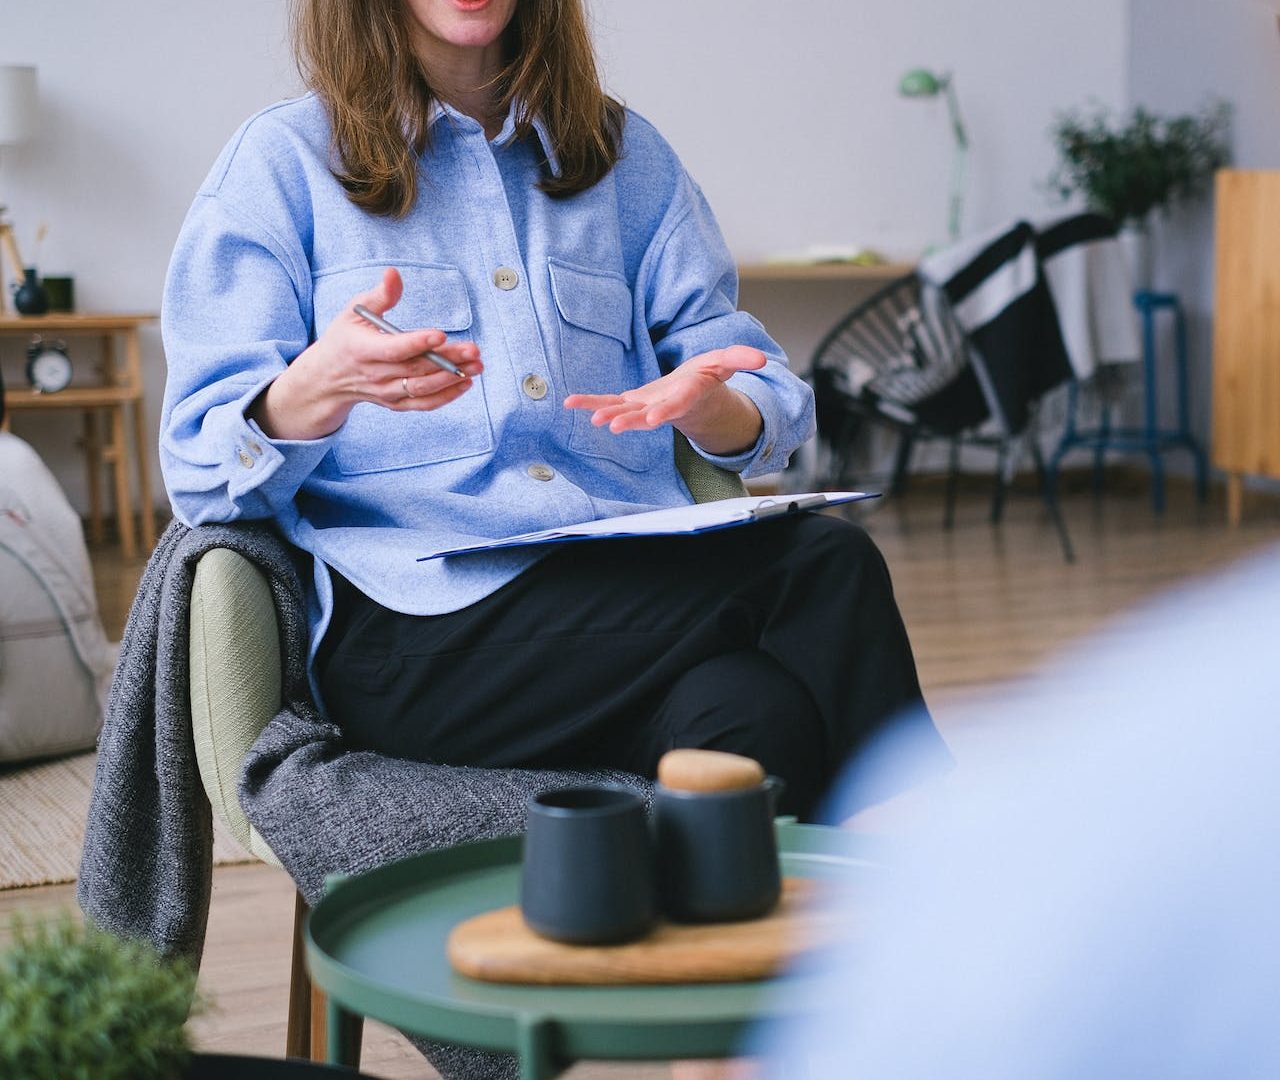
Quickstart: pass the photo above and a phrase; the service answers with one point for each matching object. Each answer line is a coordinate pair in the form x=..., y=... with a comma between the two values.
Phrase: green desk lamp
x=919, y=83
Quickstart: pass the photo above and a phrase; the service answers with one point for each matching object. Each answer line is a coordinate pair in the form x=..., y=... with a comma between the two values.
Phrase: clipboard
x=672, y=521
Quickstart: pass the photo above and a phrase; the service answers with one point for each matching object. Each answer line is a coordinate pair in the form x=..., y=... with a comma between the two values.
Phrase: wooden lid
x=708, y=770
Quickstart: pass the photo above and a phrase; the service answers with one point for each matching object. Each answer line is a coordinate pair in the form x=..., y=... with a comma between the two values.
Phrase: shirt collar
x=508, y=132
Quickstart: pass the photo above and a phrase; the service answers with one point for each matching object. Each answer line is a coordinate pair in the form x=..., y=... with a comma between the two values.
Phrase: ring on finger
x=404, y=382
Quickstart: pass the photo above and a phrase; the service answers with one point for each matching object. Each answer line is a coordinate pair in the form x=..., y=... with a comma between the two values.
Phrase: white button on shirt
x=535, y=387
x=541, y=472
x=506, y=278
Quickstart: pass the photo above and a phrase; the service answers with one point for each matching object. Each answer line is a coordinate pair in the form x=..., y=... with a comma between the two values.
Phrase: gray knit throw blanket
x=147, y=865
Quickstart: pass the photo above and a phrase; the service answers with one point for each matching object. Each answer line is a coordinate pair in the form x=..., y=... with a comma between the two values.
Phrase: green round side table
x=376, y=946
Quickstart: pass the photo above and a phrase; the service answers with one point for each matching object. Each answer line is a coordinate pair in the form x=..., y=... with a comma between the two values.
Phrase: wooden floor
x=982, y=605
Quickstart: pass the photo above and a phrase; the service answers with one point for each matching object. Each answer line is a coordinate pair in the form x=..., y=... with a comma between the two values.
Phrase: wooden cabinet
x=1246, y=336
x=114, y=396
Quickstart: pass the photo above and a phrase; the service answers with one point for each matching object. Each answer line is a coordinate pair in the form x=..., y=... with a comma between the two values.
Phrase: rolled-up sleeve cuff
x=764, y=456
x=275, y=468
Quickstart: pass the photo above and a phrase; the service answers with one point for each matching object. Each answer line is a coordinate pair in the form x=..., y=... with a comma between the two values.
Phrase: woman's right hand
x=353, y=362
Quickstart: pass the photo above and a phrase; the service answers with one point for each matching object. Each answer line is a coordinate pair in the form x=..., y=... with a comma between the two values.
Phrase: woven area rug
x=42, y=814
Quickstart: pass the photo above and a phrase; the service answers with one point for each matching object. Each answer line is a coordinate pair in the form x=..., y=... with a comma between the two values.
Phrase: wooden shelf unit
x=116, y=397
x=1246, y=331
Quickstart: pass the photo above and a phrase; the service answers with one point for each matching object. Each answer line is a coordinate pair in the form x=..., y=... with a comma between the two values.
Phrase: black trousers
x=779, y=640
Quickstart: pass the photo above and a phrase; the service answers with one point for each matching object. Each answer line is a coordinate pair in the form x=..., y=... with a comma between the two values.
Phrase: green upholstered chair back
x=235, y=679
x=235, y=656
x=706, y=482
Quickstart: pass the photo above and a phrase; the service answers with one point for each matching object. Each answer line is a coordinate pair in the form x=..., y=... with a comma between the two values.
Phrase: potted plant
x=1128, y=166
x=79, y=1004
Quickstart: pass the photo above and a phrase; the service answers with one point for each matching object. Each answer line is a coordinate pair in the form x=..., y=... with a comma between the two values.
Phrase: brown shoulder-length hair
x=358, y=56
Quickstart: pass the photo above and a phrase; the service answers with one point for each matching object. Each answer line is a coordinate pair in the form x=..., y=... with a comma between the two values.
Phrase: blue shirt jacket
x=612, y=287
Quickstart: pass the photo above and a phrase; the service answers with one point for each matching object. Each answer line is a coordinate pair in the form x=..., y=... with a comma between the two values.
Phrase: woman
x=458, y=166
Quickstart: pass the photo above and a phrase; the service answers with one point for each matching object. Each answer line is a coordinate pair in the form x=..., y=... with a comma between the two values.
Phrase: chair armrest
x=235, y=672
x=706, y=482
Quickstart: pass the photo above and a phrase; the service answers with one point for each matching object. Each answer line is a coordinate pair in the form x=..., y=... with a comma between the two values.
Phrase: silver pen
x=391, y=328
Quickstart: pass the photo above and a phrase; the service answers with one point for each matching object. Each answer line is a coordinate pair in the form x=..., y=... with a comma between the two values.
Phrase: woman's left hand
x=693, y=399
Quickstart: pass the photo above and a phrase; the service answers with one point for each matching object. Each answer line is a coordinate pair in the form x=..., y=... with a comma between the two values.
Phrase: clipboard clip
x=782, y=507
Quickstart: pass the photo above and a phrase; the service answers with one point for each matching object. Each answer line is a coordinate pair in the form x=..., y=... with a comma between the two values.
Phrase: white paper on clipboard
x=672, y=521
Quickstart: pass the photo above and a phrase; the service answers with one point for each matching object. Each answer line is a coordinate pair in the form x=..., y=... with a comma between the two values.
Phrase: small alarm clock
x=48, y=366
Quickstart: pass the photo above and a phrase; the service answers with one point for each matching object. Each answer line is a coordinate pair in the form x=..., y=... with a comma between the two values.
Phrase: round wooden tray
x=498, y=946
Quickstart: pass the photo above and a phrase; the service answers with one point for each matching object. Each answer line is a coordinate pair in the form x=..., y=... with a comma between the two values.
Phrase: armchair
x=235, y=688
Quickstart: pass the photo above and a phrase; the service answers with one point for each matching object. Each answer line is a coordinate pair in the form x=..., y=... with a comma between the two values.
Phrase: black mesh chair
x=901, y=360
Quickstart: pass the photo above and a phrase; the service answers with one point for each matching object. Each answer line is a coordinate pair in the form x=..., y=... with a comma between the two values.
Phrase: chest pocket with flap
x=597, y=358
x=376, y=439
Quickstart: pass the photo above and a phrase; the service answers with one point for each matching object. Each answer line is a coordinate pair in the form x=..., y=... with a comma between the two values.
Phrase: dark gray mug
x=588, y=875
x=717, y=853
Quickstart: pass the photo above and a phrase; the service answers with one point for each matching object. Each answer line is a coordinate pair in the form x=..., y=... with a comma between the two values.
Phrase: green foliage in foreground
x=79, y=1004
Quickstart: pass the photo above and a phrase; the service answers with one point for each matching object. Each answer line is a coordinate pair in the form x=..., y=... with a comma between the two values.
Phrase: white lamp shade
x=17, y=103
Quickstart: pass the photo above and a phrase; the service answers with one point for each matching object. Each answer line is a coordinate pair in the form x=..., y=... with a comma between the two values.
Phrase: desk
x=376, y=947
x=116, y=396
x=823, y=271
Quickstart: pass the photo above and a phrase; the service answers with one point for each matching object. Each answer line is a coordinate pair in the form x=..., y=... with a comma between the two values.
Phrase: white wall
x=787, y=114
x=136, y=99
x=1183, y=52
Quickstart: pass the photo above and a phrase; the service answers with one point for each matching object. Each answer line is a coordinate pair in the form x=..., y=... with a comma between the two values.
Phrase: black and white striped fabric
x=1006, y=288
x=1091, y=283
x=901, y=355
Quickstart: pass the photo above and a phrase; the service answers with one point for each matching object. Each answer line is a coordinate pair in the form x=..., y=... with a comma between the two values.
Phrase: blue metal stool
x=1149, y=439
